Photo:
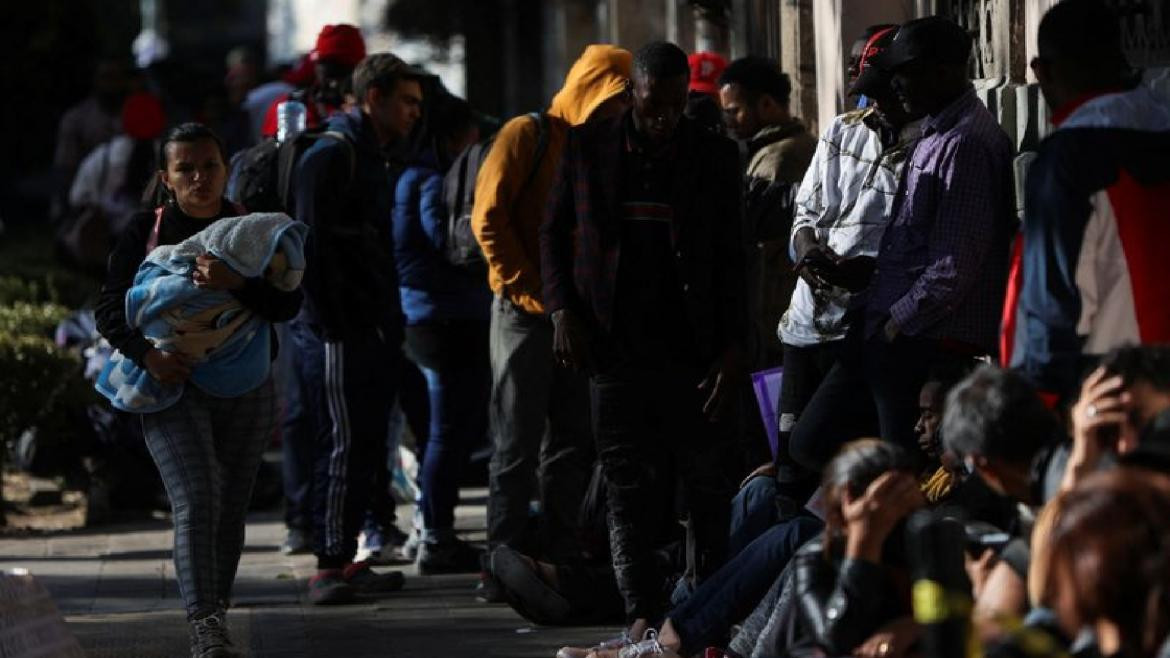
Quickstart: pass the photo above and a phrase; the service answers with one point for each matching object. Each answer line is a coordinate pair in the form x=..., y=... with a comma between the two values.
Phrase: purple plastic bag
x=766, y=384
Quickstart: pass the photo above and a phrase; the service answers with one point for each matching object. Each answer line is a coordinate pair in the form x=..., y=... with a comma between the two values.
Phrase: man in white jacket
x=841, y=212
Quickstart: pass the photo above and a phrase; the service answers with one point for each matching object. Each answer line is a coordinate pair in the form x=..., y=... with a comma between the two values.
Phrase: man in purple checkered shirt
x=941, y=271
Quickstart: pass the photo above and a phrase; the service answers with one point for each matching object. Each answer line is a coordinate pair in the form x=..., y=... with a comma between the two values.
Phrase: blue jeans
x=729, y=595
x=453, y=357
x=301, y=359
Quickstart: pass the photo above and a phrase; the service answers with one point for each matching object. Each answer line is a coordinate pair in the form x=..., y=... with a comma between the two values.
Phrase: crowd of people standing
x=589, y=288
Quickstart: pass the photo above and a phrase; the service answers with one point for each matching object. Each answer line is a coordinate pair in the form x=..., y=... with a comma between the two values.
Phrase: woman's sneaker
x=210, y=638
x=606, y=645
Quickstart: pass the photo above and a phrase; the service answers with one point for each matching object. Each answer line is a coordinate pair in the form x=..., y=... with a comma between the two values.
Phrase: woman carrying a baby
x=207, y=448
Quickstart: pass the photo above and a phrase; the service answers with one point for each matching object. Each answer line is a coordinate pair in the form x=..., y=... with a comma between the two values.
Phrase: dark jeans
x=705, y=618
x=301, y=353
x=871, y=391
x=453, y=357
x=805, y=369
x=753, y=511
x=413, y=400
x=353, y=397
x=540, y=424
x=641, y=419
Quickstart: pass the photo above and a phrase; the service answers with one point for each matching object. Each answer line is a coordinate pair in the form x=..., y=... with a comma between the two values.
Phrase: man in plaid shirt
x=643, y=275
x=942, y=265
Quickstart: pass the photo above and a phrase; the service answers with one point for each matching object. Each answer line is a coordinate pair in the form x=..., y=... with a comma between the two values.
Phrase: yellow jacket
x=506, y=218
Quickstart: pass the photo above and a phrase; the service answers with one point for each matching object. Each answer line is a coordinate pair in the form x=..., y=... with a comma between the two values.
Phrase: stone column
x=633, y=23
x=798, y=57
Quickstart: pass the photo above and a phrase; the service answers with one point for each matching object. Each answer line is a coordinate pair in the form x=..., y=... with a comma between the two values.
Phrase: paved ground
x=115, y=585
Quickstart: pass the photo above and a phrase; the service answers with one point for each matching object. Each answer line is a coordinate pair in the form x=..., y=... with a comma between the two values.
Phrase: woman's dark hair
x=184, y=133
x=1108, y=552
x=445, y=116
x=854, y=468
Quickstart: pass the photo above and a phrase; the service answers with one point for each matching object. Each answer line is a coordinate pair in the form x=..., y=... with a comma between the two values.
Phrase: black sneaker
x=210, y=637
x=365, y=580
x=488, y=589
x=453, y=556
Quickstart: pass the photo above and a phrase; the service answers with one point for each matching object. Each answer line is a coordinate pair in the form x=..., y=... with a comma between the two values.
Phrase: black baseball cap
x=933, y=38
x=872, y=80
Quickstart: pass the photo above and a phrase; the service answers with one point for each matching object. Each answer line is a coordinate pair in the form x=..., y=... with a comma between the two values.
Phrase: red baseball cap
x=341, y=43
x=706, y=67
x=143, y=116
x=872, y=77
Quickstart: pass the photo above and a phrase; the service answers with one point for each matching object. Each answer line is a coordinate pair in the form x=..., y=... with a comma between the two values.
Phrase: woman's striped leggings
x=208, y=451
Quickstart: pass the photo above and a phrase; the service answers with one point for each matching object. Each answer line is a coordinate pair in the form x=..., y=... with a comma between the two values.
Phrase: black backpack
x=261, y=176
x=462, y=249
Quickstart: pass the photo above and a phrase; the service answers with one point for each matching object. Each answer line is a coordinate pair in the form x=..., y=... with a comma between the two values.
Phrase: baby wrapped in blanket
x=228, y=343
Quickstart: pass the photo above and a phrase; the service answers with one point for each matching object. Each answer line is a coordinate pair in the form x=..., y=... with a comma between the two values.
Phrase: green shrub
x=36, y=380
x=14, y=289
x=25, y=319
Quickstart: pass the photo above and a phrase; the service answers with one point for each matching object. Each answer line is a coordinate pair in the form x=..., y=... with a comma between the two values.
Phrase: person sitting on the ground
x=1123, y=404
x=996, y=422
x=1106, y=567
x=846, y=595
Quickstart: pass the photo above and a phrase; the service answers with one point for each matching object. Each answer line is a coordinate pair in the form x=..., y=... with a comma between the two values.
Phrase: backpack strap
x=152, y=241
x=286, y=161
x=541, y=120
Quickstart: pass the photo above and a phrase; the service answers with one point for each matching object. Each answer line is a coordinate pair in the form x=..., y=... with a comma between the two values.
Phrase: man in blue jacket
x=349, y=333
x=1091, y=272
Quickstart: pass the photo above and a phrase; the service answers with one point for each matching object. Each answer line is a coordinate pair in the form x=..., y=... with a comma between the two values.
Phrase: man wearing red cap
x=339, y=49
x=703, y=90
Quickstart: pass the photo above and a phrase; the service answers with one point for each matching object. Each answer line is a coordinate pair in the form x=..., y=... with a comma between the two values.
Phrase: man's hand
x=891, y=641
x=571, y=342
x=167, y=367
x=720, y=385
x=214, y=274
x=891, y=330
x=815, y=262
x=870, y=517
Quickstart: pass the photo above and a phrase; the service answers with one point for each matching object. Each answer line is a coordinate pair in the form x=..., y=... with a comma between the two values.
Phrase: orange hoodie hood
x=599, y=74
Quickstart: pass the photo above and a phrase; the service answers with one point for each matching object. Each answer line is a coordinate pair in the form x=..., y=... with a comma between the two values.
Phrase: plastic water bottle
x=290, y=119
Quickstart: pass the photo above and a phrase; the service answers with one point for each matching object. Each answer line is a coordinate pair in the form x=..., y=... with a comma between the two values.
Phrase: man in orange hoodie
x=539, y=412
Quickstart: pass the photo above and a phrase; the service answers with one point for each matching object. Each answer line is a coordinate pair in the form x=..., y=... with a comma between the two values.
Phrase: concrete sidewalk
x=116, y=587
